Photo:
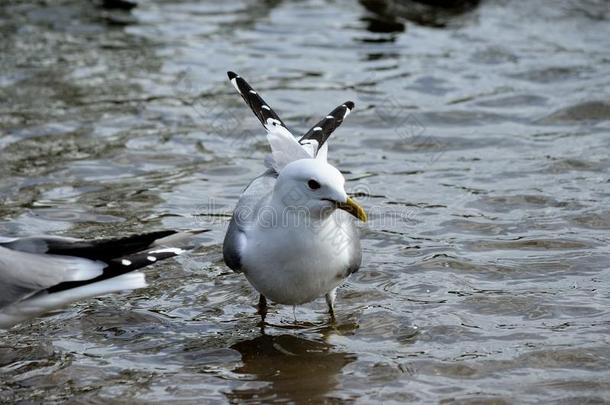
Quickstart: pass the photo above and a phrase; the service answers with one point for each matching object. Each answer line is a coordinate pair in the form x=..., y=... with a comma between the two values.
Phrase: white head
x=316, y=187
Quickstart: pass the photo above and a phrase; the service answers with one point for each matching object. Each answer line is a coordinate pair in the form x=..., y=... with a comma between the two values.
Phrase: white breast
x=295, y=264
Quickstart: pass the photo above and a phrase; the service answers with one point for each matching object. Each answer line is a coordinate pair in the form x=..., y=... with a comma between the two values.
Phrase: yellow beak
x=353, y=208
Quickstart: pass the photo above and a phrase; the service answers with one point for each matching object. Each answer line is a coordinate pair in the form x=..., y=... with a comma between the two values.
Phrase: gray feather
x=23, y=273
x=256, y=194
x=232, y=246
x=36, y=244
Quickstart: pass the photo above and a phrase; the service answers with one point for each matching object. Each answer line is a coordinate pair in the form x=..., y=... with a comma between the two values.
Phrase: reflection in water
x=119, y=4
x=296, y=369
x=383, y=26
x=433, y=13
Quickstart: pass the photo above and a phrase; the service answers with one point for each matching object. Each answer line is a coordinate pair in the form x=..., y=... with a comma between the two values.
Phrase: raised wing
x=284, y=146
x=320, y=132
x=265, y=114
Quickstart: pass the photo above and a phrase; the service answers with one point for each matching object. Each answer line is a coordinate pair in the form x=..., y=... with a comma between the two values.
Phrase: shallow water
x=479, y=146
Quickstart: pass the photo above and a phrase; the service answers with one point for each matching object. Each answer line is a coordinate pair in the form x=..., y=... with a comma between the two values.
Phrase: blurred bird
x=40, y=274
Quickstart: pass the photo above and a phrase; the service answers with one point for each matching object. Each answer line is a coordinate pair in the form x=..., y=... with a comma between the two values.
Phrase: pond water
x=479, y=146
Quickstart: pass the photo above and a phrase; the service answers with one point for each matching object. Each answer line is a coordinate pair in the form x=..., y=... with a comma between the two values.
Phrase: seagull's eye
x=314, y=185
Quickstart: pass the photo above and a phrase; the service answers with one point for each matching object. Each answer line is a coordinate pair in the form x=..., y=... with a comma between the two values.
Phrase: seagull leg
x=330, y=301
x=262, y=307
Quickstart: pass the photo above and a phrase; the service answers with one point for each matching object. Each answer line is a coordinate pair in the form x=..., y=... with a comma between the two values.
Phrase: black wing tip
x=349, y=104
x=232, y=75
x=143, y=259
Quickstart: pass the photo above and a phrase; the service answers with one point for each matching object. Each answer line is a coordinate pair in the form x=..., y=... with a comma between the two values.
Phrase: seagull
x=293, y=233
x=40, y=274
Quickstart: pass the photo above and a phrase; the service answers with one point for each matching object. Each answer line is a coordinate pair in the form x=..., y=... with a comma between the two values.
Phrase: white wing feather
x=284, y=147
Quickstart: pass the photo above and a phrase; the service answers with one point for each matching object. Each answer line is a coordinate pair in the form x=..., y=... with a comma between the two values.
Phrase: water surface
x=479, y=145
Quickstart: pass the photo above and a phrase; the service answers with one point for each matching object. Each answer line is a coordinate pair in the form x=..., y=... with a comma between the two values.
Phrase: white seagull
x=40, y=274
x=286, y=234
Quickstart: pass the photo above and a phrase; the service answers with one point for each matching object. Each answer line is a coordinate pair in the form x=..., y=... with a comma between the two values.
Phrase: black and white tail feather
x=40, y=274
x=312, y=143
